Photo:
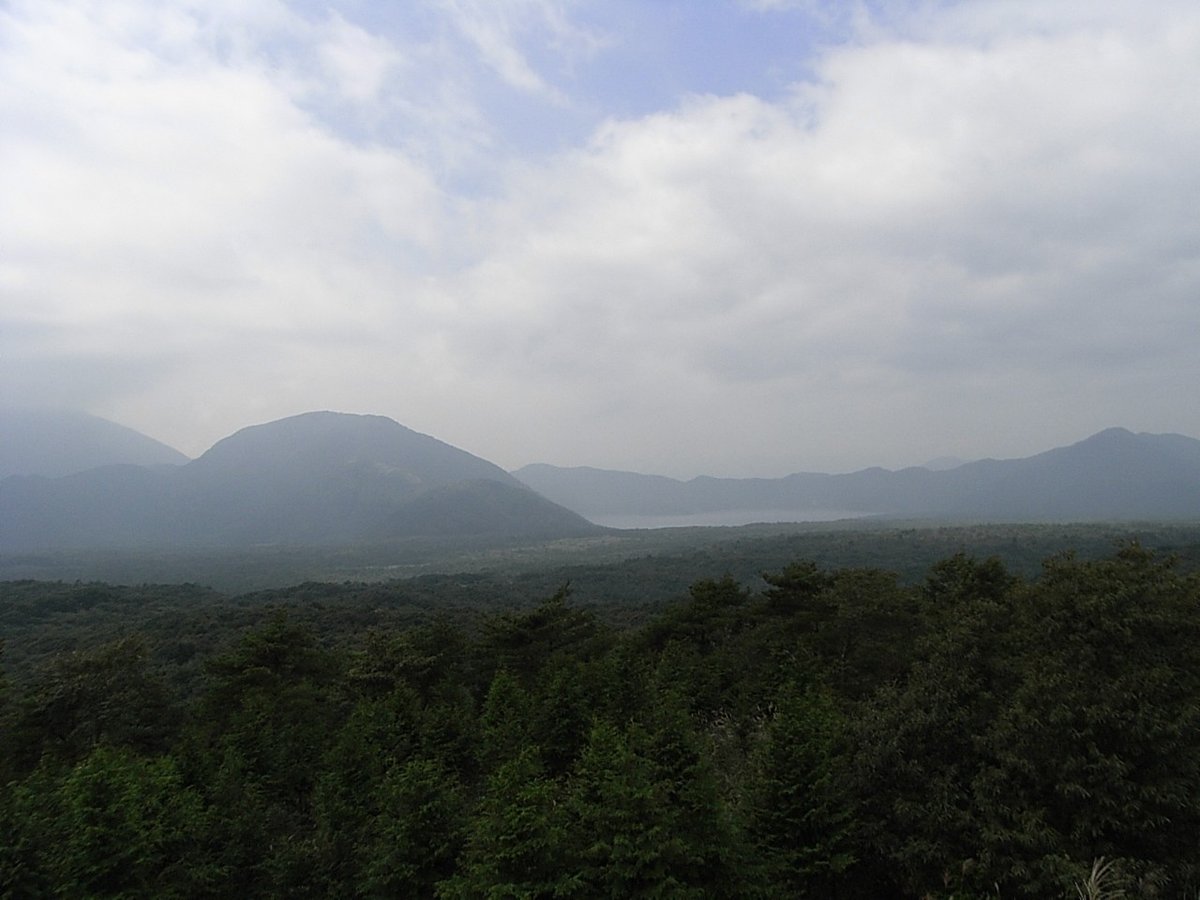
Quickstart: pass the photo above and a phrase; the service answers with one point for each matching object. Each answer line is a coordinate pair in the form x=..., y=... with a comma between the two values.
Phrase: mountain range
x=325, y=478
x=316, y=479
x=1112, y=475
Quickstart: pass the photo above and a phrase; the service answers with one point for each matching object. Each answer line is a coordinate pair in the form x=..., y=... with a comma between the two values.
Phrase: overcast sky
x=729, y=237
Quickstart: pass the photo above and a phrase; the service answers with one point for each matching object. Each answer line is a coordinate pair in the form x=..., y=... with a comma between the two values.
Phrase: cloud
x=970, y=232
x=168, y=196
x=358, y=62
x=971, y=227
x=503, y=33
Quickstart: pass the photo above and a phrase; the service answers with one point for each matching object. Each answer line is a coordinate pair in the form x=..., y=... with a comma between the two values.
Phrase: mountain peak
x=1122, y=440
x=53, y=443
x=312, y=445
x=316, y=478
x=1116, y=433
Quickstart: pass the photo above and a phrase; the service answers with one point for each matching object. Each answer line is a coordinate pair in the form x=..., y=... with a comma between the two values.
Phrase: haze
x=742, y=238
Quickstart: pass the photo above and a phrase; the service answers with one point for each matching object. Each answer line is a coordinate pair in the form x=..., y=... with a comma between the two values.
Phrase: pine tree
x=516, y=838
x=620, y=832
x=802, y=817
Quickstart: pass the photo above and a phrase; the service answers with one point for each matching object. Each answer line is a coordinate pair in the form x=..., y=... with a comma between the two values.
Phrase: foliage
x=843, y=732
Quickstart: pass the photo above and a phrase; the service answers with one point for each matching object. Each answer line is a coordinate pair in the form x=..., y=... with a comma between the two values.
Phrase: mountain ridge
x=317, y=478
x=54, y=443
x=1113, y=474
x=334, y=478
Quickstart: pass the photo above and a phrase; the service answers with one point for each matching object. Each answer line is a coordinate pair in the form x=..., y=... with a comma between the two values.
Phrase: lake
x=727, y=517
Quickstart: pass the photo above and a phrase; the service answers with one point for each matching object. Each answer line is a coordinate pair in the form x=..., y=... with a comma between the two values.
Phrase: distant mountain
x=319, y=478
x=942, y=463
x=608, y=492
x=56, y=442
x=1113, y=475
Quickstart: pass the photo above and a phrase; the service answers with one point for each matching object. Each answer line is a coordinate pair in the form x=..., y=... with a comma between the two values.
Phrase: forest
x=978, y=730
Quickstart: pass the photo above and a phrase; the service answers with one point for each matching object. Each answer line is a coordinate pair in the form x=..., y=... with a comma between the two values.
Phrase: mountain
x=608, y=492
x=55, y=443
x=1113, y=475
x=942, y=463
x=318, y=478
x=328, y=478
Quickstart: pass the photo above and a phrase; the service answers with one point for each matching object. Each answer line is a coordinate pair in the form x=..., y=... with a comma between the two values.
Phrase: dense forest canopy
x=840, y=732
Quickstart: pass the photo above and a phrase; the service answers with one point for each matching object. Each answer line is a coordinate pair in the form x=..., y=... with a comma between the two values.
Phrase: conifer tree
x=802, y=817
x=620, y=832
x=516, y=838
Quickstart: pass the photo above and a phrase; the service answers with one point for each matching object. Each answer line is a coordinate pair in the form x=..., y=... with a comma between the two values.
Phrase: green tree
x=8, y=720
x=380, y=735
x=620, y=835
x=714, y=861
x=522, y=643
x=112, y=825
x=1045, y=725
x=559, y=713
x=515, y=839
x=798, y=592
x=504, y=721
x=918, y=745
x=426, y=658
x=263, y=728
x=413, y=842
x=1096, y=752
x=107, y=695
x=271, y=703
x=802, y=816
x=712, y=613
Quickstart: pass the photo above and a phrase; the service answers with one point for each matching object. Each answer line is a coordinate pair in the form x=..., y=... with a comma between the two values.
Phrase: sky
x=725, y=237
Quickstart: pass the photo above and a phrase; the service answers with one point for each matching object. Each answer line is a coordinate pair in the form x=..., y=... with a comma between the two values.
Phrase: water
x=727, y=517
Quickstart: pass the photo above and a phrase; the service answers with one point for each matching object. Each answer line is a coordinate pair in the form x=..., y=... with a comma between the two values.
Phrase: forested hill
x=318, y=478
x=1113, y=475
x=836, y=734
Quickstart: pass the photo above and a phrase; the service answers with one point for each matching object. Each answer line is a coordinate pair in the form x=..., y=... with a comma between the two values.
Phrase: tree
x=270, y=703
x=104, y=696
x=257, y=744
x=522, y=643
x=380, y=736
x=412, y=843
x=620, y=835
x=1045, y=725
x=1096, y=752
x=798, y=592
x=515, y=838
x=714, y=857
x=712, y=613
x=504, y=721
x=112, y=825
x=802, y=815
x=919, y=744
x=559, y=713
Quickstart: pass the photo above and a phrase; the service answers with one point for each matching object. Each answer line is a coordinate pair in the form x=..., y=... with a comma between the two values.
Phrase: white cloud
x=502, y=33
x=180, y=206
x=358, y=62
x=977, y=221
x=972, y=227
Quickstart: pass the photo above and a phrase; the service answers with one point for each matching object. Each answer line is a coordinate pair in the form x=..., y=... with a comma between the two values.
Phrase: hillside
x=54, y=443
x=318, y=478
x=1113, y=475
